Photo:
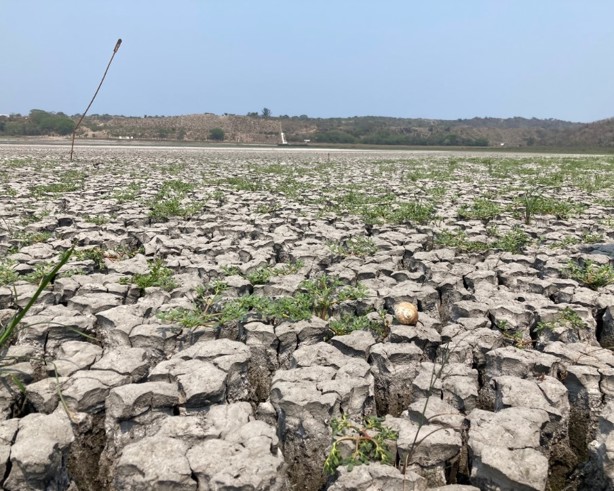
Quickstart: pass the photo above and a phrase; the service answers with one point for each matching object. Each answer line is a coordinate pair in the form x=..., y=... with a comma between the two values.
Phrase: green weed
x=567, y=318
x=158, y=276
x=8, y=275
x=95, y=254
x=513, y=241
x=590, y=274
x=482, y=209
x=324, y=292
x=459, y=240
x=370, y=442
x=350, y=323
x=354, y=246
x=25, y=239
x=130, y=193
x=96, y=219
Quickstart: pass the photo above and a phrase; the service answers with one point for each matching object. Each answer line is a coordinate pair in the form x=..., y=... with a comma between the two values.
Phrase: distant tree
x=266, y=113
x=44, y=123
x=252, y=115
x=217, y=134
x=181, y=134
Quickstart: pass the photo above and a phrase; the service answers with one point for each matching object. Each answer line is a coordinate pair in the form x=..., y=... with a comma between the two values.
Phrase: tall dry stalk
x=74, y=132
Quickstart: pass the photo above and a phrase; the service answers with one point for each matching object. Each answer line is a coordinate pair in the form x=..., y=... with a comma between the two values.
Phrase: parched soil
x=225, y=319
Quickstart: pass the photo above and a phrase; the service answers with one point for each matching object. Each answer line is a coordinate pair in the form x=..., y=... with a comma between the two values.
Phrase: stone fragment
x=356, y=343
x=86, y=390
x=511, y=428
x=293, y=334
x=8, y=430
x=394, y=366
x=201, y=382
x=426, y=338
x=74, y=356
x=154, y=463
x=522, y=469
x=39, y=455
x=131, y=362
x=131, y=400
x=45, y=394
x=376, y=476
x=606, y=338
x=221, y=464
x=427, y=449
x=90, y=303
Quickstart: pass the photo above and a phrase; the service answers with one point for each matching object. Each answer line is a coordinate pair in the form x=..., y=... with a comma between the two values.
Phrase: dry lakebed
x=224, y=319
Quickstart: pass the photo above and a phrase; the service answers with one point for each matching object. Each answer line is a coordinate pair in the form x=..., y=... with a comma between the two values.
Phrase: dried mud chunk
x=154, y=463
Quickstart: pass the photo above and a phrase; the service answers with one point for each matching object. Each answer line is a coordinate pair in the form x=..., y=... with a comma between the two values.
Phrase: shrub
x=217, y=134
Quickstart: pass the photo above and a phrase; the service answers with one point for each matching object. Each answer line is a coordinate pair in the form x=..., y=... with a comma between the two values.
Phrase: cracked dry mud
x=112, y=384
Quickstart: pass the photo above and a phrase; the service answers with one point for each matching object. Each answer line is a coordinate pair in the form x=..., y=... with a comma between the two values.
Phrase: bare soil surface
x=226, y=319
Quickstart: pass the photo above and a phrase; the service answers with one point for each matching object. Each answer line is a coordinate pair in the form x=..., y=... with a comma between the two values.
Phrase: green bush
x=217, y=134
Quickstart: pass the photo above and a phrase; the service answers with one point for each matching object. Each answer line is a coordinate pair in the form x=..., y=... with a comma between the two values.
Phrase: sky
x=439, y=59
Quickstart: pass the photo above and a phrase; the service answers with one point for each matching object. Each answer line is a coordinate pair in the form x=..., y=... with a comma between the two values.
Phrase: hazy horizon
x=442, y=60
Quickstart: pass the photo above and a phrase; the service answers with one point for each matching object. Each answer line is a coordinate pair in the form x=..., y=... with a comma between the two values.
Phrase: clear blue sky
x=408, y=58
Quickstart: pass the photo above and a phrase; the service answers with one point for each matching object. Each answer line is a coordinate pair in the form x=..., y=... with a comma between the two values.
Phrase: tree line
x=38, y=122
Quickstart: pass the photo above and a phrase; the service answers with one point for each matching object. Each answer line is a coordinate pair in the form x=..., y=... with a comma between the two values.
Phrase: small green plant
x=96, y=219
x=25, y=239
x=370, y=442
x=413, y=212
x=188, y=318
x=347, y=324
x=570, y=240
x=172, y=201
x=175, y=187
x=513, y=241
x=354, y=246
x=95, y=254
x=8, y=275
x=324, y=292
x=265, y=208
x=511, y=335
x=219, y=196
x=437, y=374
x=283, y=269
x=295, y=308
x=130, y=193
x=458, y=239
x=41, y=270
x=482, y=209
x=55, y=188
x=174, y=206
x=159, y=276
x=591, y=238
x=533, y=202
x=260, y=276
x=567, y=318
x=215, y=287
x=231, y=271
x=246, y=184
x=264, y=274
x=590, y=274
x=529, y=203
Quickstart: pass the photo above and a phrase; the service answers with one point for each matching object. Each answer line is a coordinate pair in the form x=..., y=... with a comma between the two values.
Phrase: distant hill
x=372, y=130
x=597, y=134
